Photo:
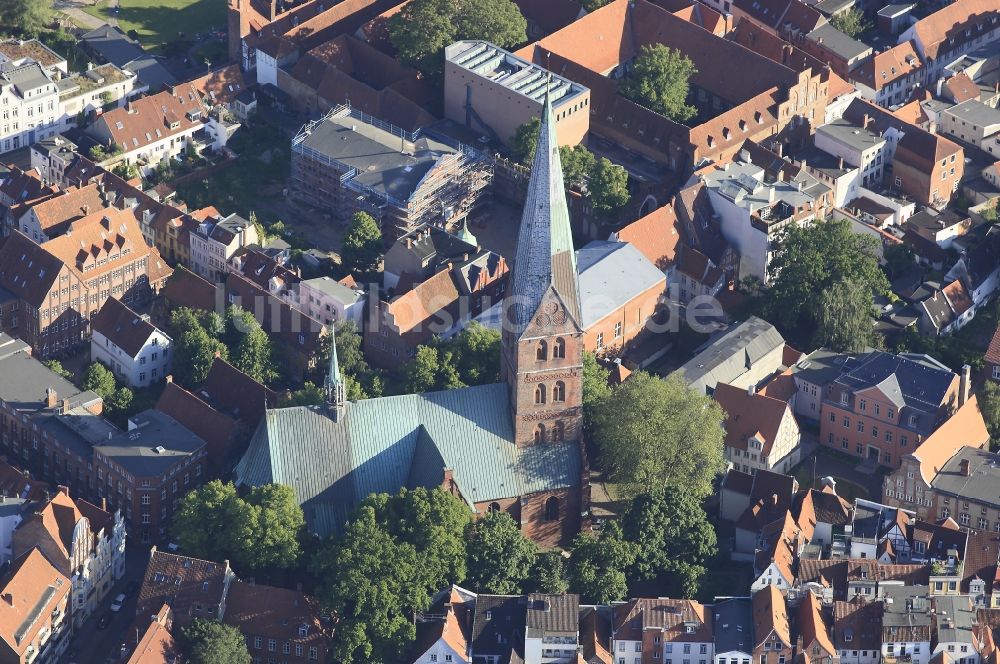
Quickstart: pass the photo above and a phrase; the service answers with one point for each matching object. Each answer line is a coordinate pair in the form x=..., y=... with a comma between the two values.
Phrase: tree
x=370, y=581
x=362, y=243
x=499, y=21
x=26, y=16
x=361, y=380
x=522, y=146
x=214, y=523
x=578, y=163
x=434, y=522
x=421, y=373
x=659, y=81
x=593, y=5
x=476, y=354
x=851, y=22
x=597, y=565
x=419, y=33
x=811, y=259
x=658, y=433
x=99, y=379
x=279, y=523
x=898, y=260
x=194, y=353
x=989, y=404
x=844, y=317
x=211, y=642
x=423, y=28
x=500, y=557
x=595, y=388
x=56, y=367
x=309, y=395
x=548, y=574
x=673, y=540
x=250, y=345
x=214, y=324
x=608, y=187
x=121, y=401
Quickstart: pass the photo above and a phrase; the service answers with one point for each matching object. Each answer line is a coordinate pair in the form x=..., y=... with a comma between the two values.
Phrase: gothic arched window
x=542, y=351
x=559, y=348
x=559, y=391
x=552, y=509
x=540, y=393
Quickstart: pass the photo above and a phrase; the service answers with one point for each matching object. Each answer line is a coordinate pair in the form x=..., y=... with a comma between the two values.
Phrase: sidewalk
x=72, y=9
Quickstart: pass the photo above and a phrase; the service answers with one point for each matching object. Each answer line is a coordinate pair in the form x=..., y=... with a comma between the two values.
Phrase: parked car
x=116, y=606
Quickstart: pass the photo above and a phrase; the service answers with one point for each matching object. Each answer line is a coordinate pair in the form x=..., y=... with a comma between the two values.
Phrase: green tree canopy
x=608, y=187
x=851, y=22
x=549, y=574
x=372, y=582
x=673, y=540
x=809, y=260
x=659, y=81
x=362, y=243
x=310, y=395
x=578, y=165
x=420, y=32
x=657, y=433
x=989, y=404
x=211, y=642
x=99, y=379
x=362, y=381
x=472, y=357
x=522, y=145
x=593, y=5
x=194, y=348
x=250, y=346
x=56, y=367
x=595, y=389
x=500, y=557
x=844, y=317
x=898, y=260
x=27, y=16
x=598, y=565
x=262, y=530
x=121, y=401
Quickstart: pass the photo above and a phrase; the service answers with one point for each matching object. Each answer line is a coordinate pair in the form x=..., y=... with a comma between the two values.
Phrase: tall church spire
x=545, y=257
x=335, y=391
x=542, y=337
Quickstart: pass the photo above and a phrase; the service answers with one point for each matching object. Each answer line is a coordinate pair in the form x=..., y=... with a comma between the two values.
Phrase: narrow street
x=72, y=8
x=91, y=645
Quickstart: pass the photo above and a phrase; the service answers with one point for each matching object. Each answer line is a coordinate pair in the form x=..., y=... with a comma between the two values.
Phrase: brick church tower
x=542, y=358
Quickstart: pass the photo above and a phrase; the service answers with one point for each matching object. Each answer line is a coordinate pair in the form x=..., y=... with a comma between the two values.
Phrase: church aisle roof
x=383, y=444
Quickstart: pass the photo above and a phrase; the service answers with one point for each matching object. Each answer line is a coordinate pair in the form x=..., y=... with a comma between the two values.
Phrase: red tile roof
x=24, y=589
x=657, y=235
x=218, y=430
x=965, y=428
x=220, y=86
x=960, y=88
x=750, y=415
x=947, y=28
x=770, y=615
x=233, y=392
x=886, y=67
x=157, y=645
x=993, y=352
x=150, y=119
x=288, y=616
x=193, y=588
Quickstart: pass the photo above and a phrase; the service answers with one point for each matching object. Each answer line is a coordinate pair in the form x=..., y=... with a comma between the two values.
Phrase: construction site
x=348, y=161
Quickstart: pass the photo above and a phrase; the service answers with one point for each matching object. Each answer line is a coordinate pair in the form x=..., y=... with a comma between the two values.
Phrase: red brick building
x=61, y=284
x=883, y=406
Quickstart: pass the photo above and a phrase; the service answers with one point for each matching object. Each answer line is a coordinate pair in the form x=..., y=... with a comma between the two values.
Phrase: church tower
x=542, y=358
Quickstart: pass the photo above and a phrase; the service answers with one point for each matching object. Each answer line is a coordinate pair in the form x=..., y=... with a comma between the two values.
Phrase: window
x=864, y=404
x=540, y=433
x=540, y=393
x=542, y=351
x=618, y=329
x=559, y=391
x=559, y=348
x=494, y=507
x=313, y=652
x=600, y=340
x=552, y=509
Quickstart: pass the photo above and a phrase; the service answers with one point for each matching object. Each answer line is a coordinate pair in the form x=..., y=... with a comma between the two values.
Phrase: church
x=514, y=446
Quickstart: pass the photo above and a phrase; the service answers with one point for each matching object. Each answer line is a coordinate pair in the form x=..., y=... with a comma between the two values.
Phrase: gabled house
x=443, y=632
x=814, y=641
x=857, y=630
x=136, y=351
x=772, y=638
x=778, y=548
x=34, y=623
x=761, y=431
x=662, y=630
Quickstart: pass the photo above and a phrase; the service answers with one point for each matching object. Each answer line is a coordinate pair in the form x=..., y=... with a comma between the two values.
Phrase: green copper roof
x=465, y=235
x=381, y=445
x=545, y=257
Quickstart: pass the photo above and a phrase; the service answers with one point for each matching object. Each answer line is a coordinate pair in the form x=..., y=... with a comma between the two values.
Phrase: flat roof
x=516, y=74
x=385, y=161
x=154, y=443
x=837, y=42
x=976, y=112
x=850, y=134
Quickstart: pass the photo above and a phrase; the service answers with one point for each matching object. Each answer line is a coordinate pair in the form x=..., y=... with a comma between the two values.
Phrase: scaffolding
x=457, y=183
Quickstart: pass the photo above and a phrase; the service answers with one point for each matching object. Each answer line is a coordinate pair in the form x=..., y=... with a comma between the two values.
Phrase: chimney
x=750, y=390
x=104, y=504
x=868, y=119
x=840, y=163
x=63, y=489
x=51, y=398
x=409, y=243
x=9, y=598
x=169, y=378
x=774, y=499
x=964, y=467
x=964, y=384
x=65, y=406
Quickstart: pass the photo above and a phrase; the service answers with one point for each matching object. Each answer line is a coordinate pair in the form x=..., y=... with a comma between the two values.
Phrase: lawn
x=160, y=21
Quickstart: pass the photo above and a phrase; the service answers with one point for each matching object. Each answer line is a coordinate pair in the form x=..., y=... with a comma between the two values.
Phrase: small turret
x=336, y=397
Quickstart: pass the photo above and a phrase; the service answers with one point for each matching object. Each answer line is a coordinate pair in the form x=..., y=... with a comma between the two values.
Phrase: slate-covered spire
x=336, y=397
x=545, y=257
